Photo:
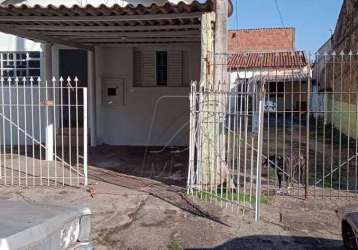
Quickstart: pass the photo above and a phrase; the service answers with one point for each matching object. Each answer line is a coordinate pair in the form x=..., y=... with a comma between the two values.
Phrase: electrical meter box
x=114, y=92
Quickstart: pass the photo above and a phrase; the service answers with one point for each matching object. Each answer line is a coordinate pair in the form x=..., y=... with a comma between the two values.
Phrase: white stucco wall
x=129, y=124
x=13, y=43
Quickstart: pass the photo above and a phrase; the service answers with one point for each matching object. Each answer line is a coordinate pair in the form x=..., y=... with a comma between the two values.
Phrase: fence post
x=261, y=94
x=309, y=82
x=85, y=138
x=192, y=111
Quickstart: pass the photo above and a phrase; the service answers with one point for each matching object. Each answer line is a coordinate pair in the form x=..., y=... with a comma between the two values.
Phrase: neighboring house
x=339, y=106
x=317, y=96
x=137, y=59
x=269, y=55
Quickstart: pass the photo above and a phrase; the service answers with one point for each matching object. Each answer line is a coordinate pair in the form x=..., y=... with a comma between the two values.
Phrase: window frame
x=19, y=61
x=156, y=69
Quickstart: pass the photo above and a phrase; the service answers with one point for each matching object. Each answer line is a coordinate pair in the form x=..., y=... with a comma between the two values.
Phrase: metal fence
x=43, y=132
x=224, y=150
x=288, y=130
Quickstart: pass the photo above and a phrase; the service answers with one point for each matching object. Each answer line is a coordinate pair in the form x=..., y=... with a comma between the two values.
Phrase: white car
x=24, y=225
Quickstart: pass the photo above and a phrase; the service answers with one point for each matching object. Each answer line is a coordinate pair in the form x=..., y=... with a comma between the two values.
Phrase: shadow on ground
x=269, y=242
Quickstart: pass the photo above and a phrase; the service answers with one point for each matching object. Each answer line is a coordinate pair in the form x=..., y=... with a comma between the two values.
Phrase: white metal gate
x=43, y=132
x=226, y=145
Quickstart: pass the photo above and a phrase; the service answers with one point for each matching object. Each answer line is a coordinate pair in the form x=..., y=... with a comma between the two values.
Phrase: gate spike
x=31, y=81
x=69, y=82
x=350, y=53
x=334, y=53
x=76, y=81
x=24, y=80
x=38, y=79
x=54, y=81
x=342, y=53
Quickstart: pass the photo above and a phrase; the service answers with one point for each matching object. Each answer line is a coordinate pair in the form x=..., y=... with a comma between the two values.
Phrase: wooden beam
x=123, y=34
x=144, y=17
x=42, y=38
x=146, y=40
x=143, y=44
x=107, y=28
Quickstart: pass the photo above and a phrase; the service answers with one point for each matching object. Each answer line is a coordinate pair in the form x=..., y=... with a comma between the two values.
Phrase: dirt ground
x=134, y=213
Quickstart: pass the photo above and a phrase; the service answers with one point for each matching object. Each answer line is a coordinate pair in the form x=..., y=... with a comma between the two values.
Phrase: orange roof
x=261, y=40
x=268, y=60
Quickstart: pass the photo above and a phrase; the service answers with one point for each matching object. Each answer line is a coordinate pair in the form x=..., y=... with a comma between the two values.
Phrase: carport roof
x=87, y=26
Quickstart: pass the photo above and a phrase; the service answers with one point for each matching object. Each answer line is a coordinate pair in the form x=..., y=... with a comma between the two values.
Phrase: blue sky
x=313, y=19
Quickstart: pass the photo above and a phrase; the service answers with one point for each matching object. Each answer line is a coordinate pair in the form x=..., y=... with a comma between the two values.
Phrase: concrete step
x=69, y=140
x=66, y=131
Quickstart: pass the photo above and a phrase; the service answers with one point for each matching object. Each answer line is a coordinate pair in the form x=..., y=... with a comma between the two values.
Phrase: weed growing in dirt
x=236, y=197
x=175, y=245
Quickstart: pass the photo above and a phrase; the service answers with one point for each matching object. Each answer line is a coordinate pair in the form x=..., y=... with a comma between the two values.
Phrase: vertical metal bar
x=69, y=126
x=292, y=113
x=234, y=142
x=332, y=122
x=284, y=125
x=239, y=143
x=245, y=141
x=11, y=132
x=77, y=134
x=3, y=126
x=316, y=114
x=349, y=125
x=308, y=89
x=300, y=134
x=25, y=129
x=200, y=134
x=18, y=130
x=259, y=153
x=340, y=128
x=40, y=127
x=47, y=133
x=54, y=92
x=191, y=138
x=326, y=113
x=62, y=140
x=32, y=129
x=85, y=138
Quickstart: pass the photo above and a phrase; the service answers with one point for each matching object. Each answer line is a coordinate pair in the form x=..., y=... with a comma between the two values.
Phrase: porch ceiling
x=86, y=27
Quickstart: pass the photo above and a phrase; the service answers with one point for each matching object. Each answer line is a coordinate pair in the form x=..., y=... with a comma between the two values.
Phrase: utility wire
x=279, y=13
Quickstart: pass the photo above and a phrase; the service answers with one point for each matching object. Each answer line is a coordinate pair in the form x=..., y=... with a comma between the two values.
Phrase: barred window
x=20, y=64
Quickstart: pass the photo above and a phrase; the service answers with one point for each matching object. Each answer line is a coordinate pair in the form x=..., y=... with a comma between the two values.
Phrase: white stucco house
x=137, y=59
